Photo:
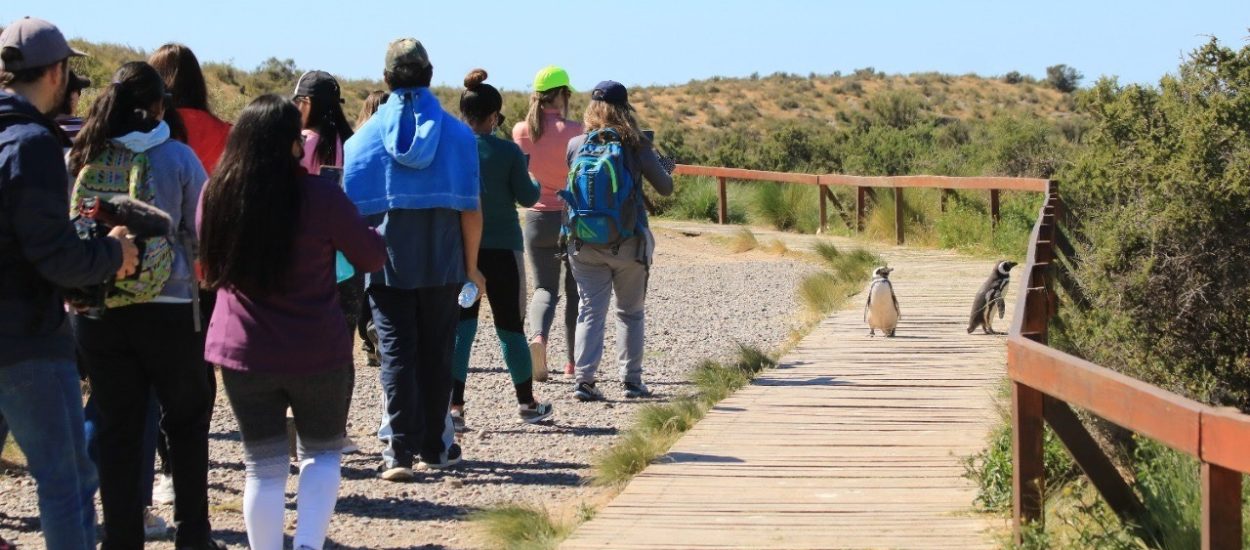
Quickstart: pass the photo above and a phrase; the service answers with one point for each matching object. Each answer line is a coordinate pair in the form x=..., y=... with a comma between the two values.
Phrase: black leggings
x=505, y=289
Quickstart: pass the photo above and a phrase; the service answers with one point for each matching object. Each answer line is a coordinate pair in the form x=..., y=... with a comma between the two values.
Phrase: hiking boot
x=447, y=459
x=636, y=391
x=457, y=421
x=586, y=391
x=535, y=412
x=538, y=356
x=570, y=371
x=163, y=493
x=154, y=526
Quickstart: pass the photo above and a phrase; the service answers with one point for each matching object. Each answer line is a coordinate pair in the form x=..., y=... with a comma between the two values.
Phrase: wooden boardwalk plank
x=852, y=442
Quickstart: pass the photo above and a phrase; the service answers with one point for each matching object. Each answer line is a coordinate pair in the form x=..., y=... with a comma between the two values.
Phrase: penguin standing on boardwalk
x=881, y=311
x=989, y=297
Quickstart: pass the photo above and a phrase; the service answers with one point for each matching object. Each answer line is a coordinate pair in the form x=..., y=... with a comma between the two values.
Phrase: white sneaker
x=163, y=492
x=154, y=526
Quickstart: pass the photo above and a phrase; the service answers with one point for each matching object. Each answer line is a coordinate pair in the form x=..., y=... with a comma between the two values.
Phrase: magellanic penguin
x=881, y=311
x=991, y=296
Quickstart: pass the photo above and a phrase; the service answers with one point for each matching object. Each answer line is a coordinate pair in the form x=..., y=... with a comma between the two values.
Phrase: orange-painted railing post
x=1028, y=473
x=861, y=206
x=824, y=209
x=722, y=203
x=994, y=208
x=1221, y=508
x=898, y=214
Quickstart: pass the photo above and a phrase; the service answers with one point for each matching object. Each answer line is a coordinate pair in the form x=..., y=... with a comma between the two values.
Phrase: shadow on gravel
x=557, y=429
x=331, y=545
x=526, y=473
x=20, y=524
x=224, y=436
x=378, y=508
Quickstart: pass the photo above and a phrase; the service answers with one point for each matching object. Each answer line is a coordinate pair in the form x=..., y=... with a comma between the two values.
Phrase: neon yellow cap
x=551, y=77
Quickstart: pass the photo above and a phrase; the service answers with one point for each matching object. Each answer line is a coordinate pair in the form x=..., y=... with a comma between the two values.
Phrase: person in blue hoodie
x=413, y=171
x=41, y=254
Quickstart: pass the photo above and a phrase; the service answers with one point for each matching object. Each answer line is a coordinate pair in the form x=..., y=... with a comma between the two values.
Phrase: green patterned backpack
x=120, y=171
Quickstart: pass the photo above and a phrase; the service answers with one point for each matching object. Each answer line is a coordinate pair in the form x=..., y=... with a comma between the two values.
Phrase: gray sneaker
x=449, y=458
x=586, y=391
x=535, y=412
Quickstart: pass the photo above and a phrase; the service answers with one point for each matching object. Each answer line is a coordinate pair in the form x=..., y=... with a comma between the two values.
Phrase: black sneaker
x=637, y=391
x=535, y=412
x=449, y=458
x=586, y=391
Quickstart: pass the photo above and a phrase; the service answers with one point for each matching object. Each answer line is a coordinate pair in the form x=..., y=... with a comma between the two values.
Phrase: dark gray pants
x=542, y=234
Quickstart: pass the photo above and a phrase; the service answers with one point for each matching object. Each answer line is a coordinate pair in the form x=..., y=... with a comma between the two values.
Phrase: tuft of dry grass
x=743, y=241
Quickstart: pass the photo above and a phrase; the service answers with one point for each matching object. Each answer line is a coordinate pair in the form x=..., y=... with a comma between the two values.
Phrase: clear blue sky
x=670, y=41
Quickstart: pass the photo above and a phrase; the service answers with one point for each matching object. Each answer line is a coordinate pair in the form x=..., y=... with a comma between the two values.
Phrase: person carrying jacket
x=413, y=171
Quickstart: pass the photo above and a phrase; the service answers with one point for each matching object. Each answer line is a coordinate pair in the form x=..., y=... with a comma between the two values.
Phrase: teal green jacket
x=505, y=184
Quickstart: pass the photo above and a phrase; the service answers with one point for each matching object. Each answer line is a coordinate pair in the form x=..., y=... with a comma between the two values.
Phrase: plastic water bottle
x=468, y=295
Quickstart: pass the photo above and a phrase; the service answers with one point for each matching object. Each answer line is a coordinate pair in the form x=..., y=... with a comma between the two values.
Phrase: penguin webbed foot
x=889, y=334
x=872, y=332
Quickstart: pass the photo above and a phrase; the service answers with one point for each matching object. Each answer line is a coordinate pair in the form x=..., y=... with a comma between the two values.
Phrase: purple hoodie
x=300, y=330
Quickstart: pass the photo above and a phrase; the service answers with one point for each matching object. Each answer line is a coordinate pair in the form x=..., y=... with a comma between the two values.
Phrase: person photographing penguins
x=40, y=255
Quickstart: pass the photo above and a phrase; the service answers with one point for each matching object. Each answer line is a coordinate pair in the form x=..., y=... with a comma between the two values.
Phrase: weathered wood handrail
x=1046, y=381
x=863, y=184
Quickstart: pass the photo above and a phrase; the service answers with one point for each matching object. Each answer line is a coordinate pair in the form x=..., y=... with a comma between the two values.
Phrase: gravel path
x=702, y=300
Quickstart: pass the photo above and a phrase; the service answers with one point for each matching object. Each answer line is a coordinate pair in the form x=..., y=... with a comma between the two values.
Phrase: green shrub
x=785, y=207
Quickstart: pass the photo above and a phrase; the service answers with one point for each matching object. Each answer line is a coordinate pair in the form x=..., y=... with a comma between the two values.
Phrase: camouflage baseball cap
x=406, y=51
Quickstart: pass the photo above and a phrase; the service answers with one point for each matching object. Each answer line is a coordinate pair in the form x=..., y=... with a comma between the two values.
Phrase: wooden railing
x=1047, y=383
x=864, y=186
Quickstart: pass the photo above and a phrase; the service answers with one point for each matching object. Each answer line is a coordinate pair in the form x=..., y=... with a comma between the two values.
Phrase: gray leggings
x=542, y=234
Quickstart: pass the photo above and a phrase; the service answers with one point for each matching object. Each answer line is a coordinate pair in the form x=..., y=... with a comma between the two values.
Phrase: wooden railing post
x=861, y=198
x=898, y=214
x=722, y=203
x=1028, y=473
x=824, y=212
x=994, y=208
x=1221, y=508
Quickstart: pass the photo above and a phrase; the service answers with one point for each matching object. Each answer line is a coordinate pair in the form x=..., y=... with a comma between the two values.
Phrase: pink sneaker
x=570, y=371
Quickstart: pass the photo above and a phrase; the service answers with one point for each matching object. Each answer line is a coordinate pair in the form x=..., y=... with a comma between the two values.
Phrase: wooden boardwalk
x=852, y=442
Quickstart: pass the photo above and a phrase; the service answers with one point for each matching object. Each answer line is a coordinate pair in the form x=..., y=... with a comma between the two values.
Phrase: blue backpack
x=602, y=205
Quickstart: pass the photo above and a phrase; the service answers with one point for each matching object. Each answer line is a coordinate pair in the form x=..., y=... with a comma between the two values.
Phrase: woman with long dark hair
x=145, y=339
x=505, y=184
x=180, y=69
x=325, y=128
x=543, y=136
x=269, y=233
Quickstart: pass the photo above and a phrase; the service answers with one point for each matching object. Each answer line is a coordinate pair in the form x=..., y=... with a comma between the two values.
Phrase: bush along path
x=657, y=427
x=852, y=440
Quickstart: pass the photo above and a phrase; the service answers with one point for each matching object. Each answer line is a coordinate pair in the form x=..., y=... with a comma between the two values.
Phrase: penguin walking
x=991, y=296
x=881, y=311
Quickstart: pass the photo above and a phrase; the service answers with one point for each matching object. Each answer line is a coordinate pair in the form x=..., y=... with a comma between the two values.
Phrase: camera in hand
x=96, y=218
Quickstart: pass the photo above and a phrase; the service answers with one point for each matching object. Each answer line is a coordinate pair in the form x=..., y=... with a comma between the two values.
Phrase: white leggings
x=264, y=500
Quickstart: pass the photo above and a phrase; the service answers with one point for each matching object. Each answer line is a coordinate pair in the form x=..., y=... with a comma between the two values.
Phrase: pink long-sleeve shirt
x=548, y=160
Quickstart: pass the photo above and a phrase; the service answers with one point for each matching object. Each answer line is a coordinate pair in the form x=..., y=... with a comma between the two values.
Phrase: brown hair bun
x=475, y=78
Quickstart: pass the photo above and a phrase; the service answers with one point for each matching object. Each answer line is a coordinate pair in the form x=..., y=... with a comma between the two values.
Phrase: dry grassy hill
x=716, y=103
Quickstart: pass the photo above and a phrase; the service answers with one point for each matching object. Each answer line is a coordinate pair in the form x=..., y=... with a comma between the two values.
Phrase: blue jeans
x=42, y=402
x=151, y=429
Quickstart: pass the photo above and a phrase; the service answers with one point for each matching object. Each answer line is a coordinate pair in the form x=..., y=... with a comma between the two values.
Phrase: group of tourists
x=150, y=247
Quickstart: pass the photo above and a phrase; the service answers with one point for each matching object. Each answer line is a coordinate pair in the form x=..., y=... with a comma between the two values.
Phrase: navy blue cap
x=610, y=91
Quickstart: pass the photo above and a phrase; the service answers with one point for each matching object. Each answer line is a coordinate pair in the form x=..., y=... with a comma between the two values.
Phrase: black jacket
x=39, y=251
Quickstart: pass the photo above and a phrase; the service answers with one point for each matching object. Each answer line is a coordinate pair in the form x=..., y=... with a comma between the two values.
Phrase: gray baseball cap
x=30, y=43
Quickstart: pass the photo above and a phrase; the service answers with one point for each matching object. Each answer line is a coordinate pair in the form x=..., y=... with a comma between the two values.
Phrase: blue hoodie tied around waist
x=412, y=155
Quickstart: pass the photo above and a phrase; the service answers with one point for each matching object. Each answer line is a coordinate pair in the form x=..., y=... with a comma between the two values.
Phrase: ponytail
x=327, y=119
x=539, y=100
x=123, y=107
